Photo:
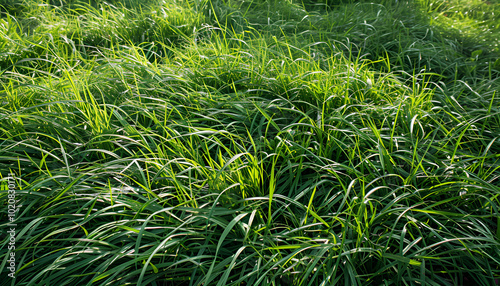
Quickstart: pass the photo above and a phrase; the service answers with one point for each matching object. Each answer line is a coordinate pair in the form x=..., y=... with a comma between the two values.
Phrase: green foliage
x=251, y=142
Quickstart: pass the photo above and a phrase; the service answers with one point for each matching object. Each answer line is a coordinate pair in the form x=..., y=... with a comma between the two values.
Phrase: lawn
x=249, y=142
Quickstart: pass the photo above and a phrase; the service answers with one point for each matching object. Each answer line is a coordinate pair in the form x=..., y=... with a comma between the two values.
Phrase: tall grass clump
x=250, y=142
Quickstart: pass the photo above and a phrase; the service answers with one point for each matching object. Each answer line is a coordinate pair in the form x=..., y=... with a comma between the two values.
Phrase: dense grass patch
x=251, y=142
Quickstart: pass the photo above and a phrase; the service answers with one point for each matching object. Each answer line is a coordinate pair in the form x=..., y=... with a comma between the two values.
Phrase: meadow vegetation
x=252, y=142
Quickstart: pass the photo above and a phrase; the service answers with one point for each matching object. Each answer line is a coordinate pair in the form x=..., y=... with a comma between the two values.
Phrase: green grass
x=254, y=142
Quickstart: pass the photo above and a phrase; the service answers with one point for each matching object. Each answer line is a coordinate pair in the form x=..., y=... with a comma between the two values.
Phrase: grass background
x=230, y=142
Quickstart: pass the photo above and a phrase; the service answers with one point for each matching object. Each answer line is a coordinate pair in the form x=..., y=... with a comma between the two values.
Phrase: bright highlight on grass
x=264, y=142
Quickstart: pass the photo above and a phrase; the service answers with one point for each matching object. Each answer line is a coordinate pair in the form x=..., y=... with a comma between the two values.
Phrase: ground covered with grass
x=261, y=142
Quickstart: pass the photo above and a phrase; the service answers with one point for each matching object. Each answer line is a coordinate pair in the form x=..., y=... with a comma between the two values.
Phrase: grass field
x=250, y=142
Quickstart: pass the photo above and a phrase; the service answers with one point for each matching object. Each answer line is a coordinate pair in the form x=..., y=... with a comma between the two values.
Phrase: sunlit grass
x=251, y=143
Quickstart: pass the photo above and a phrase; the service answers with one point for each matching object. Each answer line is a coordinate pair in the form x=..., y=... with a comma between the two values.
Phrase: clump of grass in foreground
x=251, y=158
